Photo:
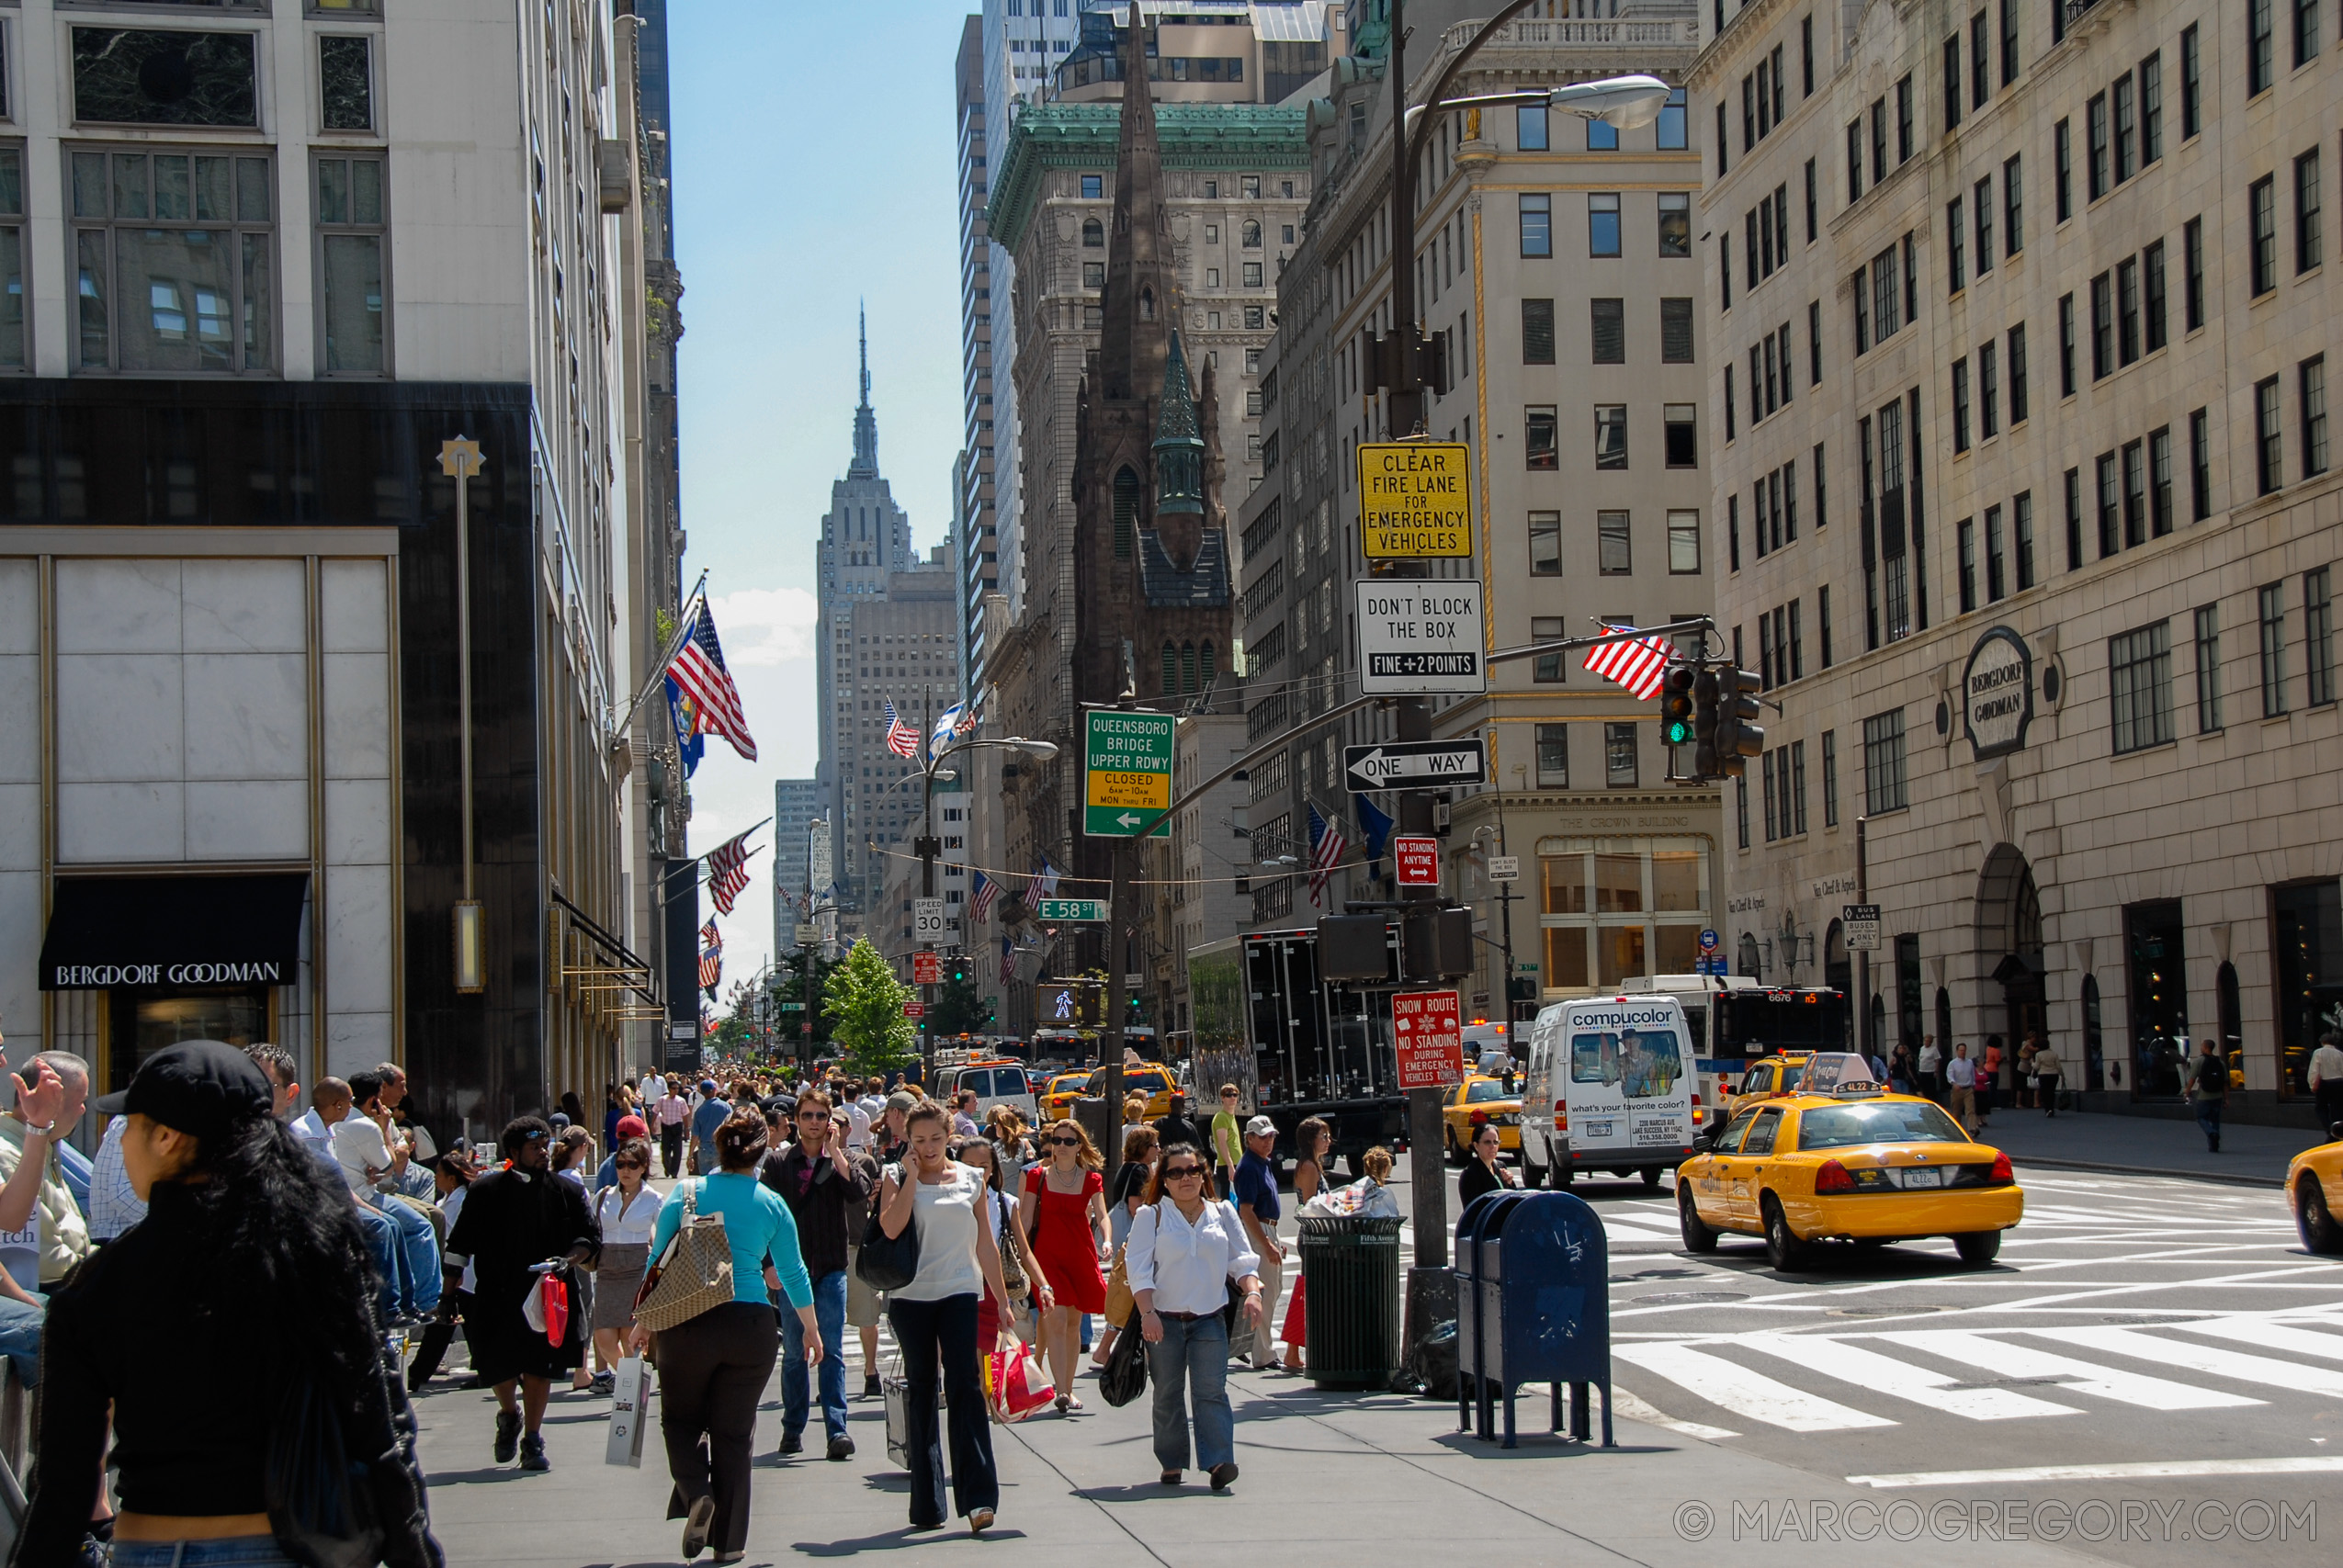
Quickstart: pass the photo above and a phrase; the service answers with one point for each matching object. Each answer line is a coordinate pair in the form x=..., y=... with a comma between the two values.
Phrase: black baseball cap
x=199, y=1086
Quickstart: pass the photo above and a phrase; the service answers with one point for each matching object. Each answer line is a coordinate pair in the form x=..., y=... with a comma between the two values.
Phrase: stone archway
x=2010, y=953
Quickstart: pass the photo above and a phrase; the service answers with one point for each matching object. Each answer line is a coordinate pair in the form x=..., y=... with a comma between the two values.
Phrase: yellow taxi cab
x=1769, y=1078
x=1059, y=1095
x=1151, y=1078
x=1480, y=1096
x=2314, y=1190
x=1840, y=1160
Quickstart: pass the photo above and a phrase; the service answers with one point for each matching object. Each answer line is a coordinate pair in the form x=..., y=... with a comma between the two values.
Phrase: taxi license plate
x=1915, y=1177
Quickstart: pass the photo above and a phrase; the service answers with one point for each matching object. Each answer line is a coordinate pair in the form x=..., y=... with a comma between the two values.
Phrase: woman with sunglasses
x=1186, y=1249
x=1482, y=1173
x=1064, y=1210
x=1008, y=1236
x=628, y=1211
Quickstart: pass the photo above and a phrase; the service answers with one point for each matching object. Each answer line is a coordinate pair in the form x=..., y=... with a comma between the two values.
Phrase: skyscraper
x=796, y=803
x=975, y=530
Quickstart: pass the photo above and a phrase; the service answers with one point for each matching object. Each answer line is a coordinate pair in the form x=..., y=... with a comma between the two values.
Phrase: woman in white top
x=626, y=1209
x=935, y=1314
x=1008, y=1234
x=1186, y=1249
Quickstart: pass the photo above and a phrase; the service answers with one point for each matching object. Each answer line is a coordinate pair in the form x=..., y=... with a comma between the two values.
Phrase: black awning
x=174, y=930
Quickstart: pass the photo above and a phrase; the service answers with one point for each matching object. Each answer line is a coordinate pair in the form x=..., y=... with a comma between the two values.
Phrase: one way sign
x=1407, y=764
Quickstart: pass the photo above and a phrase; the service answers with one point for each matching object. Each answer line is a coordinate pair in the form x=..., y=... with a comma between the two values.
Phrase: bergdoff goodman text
x=2091, y=1519
x=99, y=977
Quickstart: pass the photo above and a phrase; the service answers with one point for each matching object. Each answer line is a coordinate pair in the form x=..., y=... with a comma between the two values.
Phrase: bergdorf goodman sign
x=1998, y=693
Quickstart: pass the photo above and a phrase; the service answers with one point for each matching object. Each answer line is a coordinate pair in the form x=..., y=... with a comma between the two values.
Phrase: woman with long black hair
x=273, y=1349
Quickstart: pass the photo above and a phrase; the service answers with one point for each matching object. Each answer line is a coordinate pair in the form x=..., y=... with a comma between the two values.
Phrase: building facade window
x=11, y=259
x=2310, y=247
x=1676, y=332
x=1830, y=777
x=2139, y=678
x=1554, y=756
x=1681, y=429
x=351, y=240
x=1537, y=332
x=1675, y=223
x=2208, y=639
x=1546, y=544
x=141, y=76
x=1614, y=543
x=1683, y=544
x=346, y=81
x=1603, y=224
x=1612, y=907
x=1884, y=781
x=2272, y=607
x=2261, y=206
x=2199, y=465
x=2318, y=637
x=1610, y=435
x=1619, y=770
x=2269, y=441
x=1607, y=331
x=198, y=297
x=1537, y=224
x=1539, y=432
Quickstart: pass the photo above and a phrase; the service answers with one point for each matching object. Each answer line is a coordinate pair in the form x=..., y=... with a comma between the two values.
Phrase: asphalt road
x=2157, y=1360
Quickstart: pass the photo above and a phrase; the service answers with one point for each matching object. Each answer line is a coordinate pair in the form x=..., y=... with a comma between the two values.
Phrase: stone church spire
x=866, y=463
x=1142, y=297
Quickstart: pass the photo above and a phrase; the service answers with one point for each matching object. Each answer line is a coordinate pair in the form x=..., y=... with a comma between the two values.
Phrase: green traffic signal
x=1676, y=707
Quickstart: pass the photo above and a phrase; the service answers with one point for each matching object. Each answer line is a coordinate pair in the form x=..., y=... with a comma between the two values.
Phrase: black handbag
x=328, y=1509
x=888, y=1262
x=1125, y=1374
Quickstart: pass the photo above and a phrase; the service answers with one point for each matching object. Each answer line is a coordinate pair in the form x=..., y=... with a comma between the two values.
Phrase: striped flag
x=728, y=872
x=1008, y=961
x=700, y=673
x=981, y=897
x=902, y=738
x=711, y=958
x=1045, y=880
x=1327, y=845
x=950, y=724
x=1640, y=665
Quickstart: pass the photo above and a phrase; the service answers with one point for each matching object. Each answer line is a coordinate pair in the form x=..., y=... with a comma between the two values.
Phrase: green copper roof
x=1253, y=138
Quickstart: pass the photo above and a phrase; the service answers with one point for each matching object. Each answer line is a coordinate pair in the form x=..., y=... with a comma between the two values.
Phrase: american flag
x=699, y=672
x=711, y=958
x=728, y=872
x=1640, y=665
x=1008, y=961
x=980, y=897
x=1327, y=845
x=902, y=738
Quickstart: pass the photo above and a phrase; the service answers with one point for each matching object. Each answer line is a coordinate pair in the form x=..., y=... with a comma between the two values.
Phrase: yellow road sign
x=1415, y=500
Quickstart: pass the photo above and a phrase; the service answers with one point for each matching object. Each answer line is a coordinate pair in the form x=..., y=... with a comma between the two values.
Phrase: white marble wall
x=19, y=806
x=361, y=911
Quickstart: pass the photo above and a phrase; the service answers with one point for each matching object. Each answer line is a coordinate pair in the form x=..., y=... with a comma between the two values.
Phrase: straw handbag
x=693, y=1274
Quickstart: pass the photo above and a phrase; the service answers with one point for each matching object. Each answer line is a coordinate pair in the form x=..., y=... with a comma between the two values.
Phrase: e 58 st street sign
x=1420, y=637
x=1069, y=911
x=1415, y=500
x=1406, y=764
x=1126, y=772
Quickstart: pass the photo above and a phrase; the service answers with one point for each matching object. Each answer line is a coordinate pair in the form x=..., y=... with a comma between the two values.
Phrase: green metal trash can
x=1352, y=1306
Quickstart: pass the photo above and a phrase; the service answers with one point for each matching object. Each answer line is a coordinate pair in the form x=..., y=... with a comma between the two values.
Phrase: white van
x=996, y=1082
x=1611, y=1084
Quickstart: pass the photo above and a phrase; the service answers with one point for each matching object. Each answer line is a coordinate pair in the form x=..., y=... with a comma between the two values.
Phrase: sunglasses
x=1065, y=1142
x=1182, y=1173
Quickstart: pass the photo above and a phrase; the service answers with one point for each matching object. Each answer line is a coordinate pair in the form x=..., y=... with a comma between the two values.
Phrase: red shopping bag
x=553, y=1302
x=1016, y=1385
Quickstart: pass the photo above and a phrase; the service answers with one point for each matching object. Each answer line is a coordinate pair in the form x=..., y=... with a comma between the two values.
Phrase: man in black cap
x=513, y=1219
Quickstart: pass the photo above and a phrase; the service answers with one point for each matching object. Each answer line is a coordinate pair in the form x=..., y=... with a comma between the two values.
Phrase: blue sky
x=814, y=152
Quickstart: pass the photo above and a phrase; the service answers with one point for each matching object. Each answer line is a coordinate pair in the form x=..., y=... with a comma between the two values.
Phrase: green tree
x=863, y=1002
x=959, y=1006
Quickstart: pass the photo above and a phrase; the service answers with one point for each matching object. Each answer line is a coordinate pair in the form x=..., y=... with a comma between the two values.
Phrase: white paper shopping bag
x=630, y=1411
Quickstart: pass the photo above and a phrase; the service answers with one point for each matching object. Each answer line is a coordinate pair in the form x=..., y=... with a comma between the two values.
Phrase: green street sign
x=793, y=1006
x=1126, y=772
x=1062, y=912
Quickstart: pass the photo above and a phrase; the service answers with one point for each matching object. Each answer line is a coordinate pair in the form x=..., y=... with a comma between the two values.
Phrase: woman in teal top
x=713, y=1368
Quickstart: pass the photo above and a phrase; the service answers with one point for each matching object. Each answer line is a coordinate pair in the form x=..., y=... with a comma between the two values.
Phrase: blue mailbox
x=1533, y=1305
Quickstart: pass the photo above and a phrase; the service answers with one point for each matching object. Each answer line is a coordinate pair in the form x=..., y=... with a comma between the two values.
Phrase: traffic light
x=1705, y=689
x=1676, y=707
x=1737, y=735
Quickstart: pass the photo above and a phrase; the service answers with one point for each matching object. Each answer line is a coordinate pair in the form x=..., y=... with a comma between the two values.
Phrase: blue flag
x=1374, y=826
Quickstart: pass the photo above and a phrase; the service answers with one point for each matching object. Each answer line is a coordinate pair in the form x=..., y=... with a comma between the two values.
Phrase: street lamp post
x=1624, y=101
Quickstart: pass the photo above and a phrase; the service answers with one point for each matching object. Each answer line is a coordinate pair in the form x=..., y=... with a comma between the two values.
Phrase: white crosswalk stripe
x=2017, y=1360
x=2233, y=1365
x=2271, y=1336
x=1752, y=1395
x=1851, y=1364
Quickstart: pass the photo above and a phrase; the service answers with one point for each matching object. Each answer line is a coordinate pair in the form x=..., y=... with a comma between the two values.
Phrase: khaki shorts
x=863, y=1304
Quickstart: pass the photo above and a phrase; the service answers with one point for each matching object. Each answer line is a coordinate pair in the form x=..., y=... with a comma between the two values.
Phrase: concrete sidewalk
x=2146, y=1146
x=1326, y=1478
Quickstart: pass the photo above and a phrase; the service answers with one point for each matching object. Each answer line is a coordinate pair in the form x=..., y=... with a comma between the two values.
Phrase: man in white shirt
x=651, y=1087
x=858, y=1125
x=1930, y=1067
x=329, y=1105
x=2326, y=1079
x=963, y=1121
x=1961, y=1079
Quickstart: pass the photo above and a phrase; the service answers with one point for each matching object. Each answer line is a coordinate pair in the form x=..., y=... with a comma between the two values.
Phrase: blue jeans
x=1193, y=1357
x=234, y=1551
x=382, y=1245
x=2209, y=1120
x=829, y=1313
x=21, y=1338
x=417, y=1256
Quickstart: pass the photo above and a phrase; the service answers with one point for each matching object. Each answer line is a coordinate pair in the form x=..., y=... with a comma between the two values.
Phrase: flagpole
x=459, y=460
x=667, y=657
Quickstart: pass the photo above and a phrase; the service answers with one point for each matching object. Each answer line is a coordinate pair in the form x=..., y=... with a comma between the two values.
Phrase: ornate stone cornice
x=1249, y=137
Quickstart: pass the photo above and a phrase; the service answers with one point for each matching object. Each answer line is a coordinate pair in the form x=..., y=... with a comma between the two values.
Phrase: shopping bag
x=895, y=1390
x=629, y=1400
x=1016, y=1385
x=546, y=1308
x=1126, y=1372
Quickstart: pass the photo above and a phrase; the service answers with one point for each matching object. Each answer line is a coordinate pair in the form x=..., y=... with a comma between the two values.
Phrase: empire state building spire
x=866, y=463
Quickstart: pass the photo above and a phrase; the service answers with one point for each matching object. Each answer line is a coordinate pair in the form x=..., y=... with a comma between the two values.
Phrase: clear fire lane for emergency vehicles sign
x=1415, y=500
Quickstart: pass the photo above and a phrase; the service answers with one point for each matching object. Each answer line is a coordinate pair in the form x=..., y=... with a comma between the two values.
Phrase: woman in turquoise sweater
x=713, y=1368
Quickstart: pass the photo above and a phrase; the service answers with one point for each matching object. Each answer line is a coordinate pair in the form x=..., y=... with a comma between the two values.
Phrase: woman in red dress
x=1064, y=1210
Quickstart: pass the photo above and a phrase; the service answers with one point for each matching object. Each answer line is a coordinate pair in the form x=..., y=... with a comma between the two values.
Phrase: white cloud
x=765, y=625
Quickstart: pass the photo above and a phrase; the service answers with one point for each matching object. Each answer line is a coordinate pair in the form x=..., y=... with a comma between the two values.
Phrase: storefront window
x=2159, y=998
x=1566, y=957
x=1618, y=884
x=1640, y=902
x=1566, y=884
x=1622, y=948
x=1675, y=883
x=140, y=1024
x=2306, y=938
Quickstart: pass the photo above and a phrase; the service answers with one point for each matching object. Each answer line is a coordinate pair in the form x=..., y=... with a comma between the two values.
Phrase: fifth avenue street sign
x=1420, y=637
x=1406, y=764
